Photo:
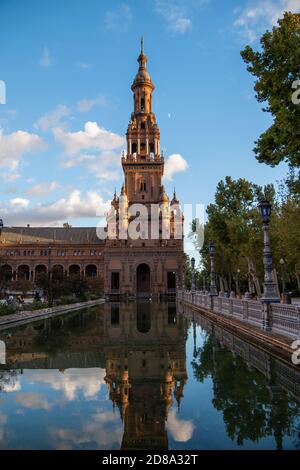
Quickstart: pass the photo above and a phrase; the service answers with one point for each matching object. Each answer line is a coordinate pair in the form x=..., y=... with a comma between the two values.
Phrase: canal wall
x=32, y=315
x=276, y=369
x=247, y=317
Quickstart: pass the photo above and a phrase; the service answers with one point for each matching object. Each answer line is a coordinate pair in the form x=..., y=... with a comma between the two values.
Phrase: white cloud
x=180, y=429
x=19, y=203
x=45, y=60
x=175, y=14
x=103, y=429
x=119, y=19
x=262, y=14
x=93, y=137
x=74, y=206
x=78, y=160
x=42, y=189
x=52, y=118
x=14, y=146
x=95, y=147
x=71, y=382
x=32, y=400
x=86, y=105
x=174, y=164
x=84, y=65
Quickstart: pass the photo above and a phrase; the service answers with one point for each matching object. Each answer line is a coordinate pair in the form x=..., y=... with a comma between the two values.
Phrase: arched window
x=143, y=186
x=134, y=147
x=142, y=104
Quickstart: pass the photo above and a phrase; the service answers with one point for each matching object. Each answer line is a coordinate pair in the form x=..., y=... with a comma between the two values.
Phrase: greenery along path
x=46, y=312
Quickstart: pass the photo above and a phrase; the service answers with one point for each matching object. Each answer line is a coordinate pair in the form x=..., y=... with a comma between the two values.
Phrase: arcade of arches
x=31, y=272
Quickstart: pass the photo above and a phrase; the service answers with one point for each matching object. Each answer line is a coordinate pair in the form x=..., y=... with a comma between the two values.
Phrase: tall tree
x=277, y=69
x=234, y=225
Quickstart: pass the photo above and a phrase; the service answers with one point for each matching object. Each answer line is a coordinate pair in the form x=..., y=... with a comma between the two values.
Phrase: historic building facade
x=147, y=264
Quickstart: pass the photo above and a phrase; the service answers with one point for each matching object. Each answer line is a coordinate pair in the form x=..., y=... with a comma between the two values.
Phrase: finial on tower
x=142, y=45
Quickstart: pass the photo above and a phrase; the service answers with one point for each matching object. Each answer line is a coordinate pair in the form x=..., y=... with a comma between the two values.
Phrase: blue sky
x=68, y=67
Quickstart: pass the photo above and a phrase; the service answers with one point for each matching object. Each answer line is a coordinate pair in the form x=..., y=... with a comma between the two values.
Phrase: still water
x=143, y=376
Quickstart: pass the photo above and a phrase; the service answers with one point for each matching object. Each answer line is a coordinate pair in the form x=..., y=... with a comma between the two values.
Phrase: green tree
x=276, y=67
x=235, y=227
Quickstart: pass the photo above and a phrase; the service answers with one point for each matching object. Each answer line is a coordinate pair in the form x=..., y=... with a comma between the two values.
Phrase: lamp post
x=49, y=277
x=269, y=293
x=204, y=283
x=283, y=293
x=213, y=287
x=238, y=272
x=193, y=274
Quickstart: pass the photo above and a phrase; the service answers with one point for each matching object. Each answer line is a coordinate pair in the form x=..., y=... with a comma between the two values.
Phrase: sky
x=68, y=67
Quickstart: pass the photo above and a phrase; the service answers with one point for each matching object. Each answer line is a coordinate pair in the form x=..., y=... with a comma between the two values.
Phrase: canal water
x=143, y=376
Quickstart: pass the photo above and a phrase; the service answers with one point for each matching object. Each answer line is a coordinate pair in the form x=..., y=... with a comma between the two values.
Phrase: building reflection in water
x=141, y=349
x=145, y=368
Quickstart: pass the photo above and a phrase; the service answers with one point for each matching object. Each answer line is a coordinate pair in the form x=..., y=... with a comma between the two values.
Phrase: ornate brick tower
x=143, y=165
x=152, y=263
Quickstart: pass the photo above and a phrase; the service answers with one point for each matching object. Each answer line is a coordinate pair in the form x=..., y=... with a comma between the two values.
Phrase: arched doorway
x=74, y=270
x=40, y=271
x=6, y=273
x=91, y=270
x=143, y=279
x=23, y=272
x=57, y=272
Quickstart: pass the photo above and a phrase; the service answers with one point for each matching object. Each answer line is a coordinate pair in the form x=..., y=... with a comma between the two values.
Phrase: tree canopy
x=277, y=69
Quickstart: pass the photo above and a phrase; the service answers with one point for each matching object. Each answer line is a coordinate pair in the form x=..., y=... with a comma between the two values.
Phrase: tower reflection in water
x=145, y=369
x=113, y=377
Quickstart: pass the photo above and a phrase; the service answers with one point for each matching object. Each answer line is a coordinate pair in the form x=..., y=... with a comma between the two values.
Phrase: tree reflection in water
x=253, y=407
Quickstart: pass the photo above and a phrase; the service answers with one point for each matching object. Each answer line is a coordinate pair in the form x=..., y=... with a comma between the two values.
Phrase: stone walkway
x=20, y=317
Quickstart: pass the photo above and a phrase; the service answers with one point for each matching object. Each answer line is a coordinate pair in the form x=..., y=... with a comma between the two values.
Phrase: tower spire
x=142, y=45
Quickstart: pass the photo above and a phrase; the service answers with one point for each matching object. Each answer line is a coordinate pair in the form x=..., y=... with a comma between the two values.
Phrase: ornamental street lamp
x=238, y=272
x=49, y=276
x=194, y=337
x=213, y=287
x=193, y=273
x=269, y=294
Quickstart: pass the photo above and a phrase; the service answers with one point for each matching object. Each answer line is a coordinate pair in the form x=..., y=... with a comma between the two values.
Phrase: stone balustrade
x=284, y=318
x=283, y=373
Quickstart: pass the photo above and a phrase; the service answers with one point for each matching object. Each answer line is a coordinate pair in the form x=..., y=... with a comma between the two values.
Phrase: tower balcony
x=141, y=158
